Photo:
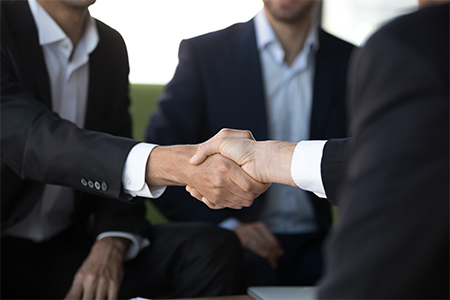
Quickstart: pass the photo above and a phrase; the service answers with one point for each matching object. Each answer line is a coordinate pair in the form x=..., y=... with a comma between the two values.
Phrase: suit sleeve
x=38, y=145
x=334, y=166
x=393, y=237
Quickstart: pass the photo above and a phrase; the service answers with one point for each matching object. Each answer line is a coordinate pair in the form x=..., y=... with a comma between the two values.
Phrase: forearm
x=119, y=244
x=273, y=159
x=169, y=165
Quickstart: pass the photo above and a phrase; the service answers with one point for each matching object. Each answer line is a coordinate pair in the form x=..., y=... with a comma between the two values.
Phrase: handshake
x=229, y=170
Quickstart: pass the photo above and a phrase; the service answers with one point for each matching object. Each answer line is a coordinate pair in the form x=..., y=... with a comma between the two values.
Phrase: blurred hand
x=218, y=181
x=100, y=276
x=258, y=238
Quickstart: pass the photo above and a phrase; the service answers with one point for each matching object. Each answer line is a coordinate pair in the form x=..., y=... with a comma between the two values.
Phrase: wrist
x=275, y=158
x=168, y=165
x=119, y=244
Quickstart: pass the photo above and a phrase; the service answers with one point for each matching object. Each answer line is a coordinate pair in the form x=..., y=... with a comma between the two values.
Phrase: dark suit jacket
x=39, y=147
x=393, y=237
x=218, y=84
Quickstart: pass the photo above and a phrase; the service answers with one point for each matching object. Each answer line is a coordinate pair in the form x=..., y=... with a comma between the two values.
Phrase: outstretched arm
x=218, y=179
x=295, y=164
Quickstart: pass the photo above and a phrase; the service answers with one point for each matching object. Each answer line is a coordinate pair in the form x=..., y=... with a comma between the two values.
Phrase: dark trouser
x=184, y=260
x=301, y=264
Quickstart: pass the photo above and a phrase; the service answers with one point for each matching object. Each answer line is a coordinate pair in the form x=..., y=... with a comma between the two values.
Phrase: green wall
x=143, y=102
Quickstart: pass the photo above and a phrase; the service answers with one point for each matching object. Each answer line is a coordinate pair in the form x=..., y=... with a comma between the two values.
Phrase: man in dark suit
x=282, y=77
x=392, y=240
x=64, y=79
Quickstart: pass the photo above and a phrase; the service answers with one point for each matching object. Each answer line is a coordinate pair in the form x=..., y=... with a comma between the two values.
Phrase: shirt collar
x=49, y=31
x=265, y=35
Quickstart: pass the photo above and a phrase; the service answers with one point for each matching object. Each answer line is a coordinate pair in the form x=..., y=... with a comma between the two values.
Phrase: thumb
x=204, y=150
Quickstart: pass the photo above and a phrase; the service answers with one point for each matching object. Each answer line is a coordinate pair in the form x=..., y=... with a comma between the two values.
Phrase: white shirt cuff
x=137, y=242
x=230, y=223
x=306, y=167
x=133, y=177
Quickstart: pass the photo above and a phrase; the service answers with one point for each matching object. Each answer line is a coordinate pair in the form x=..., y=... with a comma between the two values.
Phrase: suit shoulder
x=419, y=28
x=107, y=33
x=425, y=32
x=222, y=35
x=329, y=38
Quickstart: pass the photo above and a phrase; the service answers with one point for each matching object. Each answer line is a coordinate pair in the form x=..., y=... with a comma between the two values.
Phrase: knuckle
x=248, y=133
x=222, y=167
x=225, y=131
x=217, y=180
x=259, y=224
x=248, y=203
x=246, y=186
x=218, y=195
x=91, y=278
x=213, y=200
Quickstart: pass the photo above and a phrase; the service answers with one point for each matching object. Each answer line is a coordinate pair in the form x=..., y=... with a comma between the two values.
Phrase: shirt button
x=128, y=181
x=90, y=184
x=97, y=185
x=65, y=44
x=104, y=186
x=84, y=182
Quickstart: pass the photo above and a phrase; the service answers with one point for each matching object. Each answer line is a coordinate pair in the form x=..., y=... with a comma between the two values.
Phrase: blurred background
x=153, y=29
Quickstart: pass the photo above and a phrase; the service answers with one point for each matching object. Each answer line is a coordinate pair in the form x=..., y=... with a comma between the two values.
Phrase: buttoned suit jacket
x=392, y=241
x=39, y=147
x=218, y=84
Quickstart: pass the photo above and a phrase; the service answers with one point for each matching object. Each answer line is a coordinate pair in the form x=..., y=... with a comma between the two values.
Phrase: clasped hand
x=238, y=146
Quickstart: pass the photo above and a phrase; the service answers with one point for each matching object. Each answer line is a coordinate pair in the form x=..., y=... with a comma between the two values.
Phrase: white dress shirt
x=306, y=167
x=288, y=93
x=68, y=71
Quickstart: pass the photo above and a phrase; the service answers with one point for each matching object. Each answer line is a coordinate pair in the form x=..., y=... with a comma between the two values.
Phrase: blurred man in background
x=282, y=77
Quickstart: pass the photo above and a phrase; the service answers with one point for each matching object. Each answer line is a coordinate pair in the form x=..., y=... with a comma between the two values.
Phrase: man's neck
x=292, y=36
x=70, y=19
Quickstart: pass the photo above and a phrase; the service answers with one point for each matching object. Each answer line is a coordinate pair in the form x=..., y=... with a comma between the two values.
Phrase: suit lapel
x=97, y=85
x=25, y=31
x=324, y=85
x=244, y=49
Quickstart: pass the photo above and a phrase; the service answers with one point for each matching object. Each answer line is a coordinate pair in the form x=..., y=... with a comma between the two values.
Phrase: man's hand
x=218, y=181
x=258, y=238
x=268, y=161
x=100, y=276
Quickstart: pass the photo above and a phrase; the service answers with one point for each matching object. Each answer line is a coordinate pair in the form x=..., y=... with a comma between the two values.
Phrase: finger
x=257, y=246
x=266, y=234
x=270, y=241
x=206, y=149
x=113, y=291
x=88, y=290
x=75, y=291
x=250, y=187
x=194, y=193
x=211, y=205
x=234, y=133
x=228, y=196
x=101, y=290
x=273, y=261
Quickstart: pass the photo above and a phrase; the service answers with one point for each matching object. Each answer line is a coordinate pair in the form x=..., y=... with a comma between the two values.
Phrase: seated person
x=281, y=76
x=391, y=180
x=64, y=94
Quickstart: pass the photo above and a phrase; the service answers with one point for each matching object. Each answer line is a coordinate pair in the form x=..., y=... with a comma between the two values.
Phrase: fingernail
x=193, y=158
